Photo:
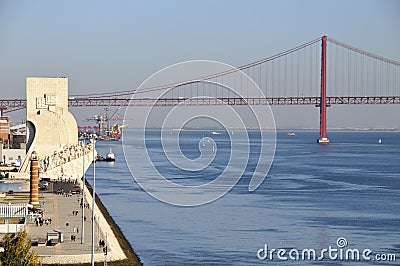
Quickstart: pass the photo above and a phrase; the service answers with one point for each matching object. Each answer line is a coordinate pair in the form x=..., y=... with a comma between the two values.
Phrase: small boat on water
x=110, y=157
x=380, y=141
x=291, y=134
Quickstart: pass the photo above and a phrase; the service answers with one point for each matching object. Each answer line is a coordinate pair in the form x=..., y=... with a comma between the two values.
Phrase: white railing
x=16, y=210
x=11, y=228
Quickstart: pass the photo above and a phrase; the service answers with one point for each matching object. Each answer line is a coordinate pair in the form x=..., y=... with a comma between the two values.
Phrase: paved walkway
x=60, y=209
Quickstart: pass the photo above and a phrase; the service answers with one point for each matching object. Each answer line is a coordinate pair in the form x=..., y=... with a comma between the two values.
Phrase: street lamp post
x=83, y=195
x=93, y=198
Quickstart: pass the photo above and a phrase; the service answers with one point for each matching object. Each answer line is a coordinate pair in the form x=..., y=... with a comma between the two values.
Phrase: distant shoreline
x=278, y=129
x=341, y=129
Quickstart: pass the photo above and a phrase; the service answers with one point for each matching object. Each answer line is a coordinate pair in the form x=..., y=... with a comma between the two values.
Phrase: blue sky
x=114, y=45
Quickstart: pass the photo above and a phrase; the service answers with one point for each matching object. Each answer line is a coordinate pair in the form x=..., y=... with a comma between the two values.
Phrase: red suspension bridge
x=304, y=75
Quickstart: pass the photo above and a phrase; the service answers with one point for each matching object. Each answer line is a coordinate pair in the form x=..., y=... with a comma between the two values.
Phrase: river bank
x=131, y=257
x=66, y=217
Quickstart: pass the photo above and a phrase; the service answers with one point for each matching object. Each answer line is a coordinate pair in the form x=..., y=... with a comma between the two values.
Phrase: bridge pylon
x=323, y=139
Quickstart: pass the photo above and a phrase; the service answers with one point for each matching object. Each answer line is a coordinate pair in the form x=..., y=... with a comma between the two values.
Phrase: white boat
x=291, y=134
x=215, y=133
x=380, y=141
x=110, y=157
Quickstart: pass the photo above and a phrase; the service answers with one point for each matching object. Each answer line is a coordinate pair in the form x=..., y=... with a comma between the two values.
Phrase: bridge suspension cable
x=355, y=72
x=292, y=77
x=208, y=77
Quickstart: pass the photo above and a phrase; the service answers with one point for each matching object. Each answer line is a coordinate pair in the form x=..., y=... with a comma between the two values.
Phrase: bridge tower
x=323, y=139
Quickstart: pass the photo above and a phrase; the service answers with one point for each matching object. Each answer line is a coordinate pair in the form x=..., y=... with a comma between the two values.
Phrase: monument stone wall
x=52, y=129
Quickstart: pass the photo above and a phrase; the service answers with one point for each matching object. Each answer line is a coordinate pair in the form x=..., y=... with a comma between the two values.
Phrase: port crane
x=107, y=131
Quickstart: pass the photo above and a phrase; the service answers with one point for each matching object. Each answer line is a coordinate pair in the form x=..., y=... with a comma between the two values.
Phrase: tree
x=17, y=252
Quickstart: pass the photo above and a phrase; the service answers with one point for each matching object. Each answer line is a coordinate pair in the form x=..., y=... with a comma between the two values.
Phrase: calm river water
x=313, y=195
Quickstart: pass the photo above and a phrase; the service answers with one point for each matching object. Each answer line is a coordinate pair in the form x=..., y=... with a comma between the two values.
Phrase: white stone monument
x=52, y=130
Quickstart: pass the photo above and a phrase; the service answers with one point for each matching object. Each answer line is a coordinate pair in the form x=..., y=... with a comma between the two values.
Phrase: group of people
x=102, y=244
x=60, y=191
x=65, y=194
x=75, y=229
x=40, y=221
x=86, y=205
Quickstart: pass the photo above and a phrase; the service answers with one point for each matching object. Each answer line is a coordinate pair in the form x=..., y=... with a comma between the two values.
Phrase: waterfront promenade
x=65, y=213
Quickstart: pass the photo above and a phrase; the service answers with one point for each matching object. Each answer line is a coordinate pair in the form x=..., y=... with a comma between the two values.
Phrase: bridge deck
x=16, y=104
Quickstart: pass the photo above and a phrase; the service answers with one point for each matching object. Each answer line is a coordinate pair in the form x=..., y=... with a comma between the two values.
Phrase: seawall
x=131, y=257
